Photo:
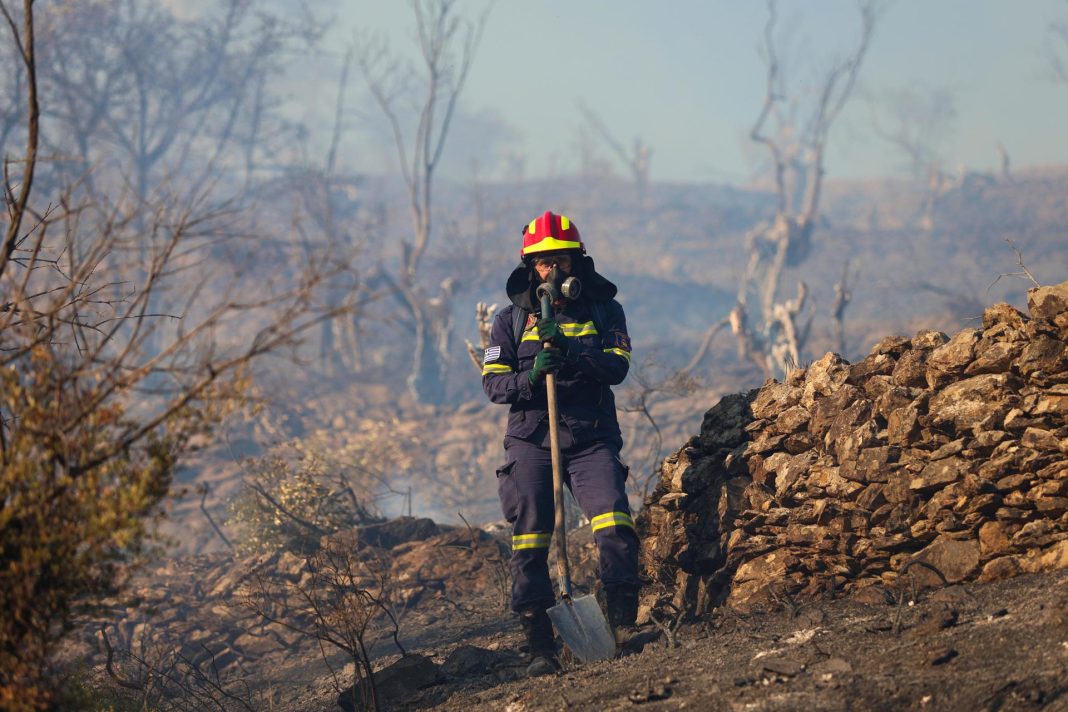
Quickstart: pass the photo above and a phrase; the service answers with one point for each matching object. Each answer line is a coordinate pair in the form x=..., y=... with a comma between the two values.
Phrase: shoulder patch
x=532, y=319
x=622, y=341
x=492, y=354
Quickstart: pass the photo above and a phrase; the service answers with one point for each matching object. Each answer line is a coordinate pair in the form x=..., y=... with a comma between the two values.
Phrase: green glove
x=548, y=360
x=549, y=330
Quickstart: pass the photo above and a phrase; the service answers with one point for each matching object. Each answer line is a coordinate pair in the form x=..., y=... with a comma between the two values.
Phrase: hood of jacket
x=522, y=282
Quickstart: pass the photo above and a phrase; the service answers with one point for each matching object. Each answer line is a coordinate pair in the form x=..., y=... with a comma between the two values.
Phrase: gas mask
x=562, y=284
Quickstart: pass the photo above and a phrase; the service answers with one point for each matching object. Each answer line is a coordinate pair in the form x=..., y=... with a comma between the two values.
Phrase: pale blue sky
x=686, y=77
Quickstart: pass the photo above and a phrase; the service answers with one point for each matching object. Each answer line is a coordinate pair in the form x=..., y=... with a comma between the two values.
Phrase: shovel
x=579, y=621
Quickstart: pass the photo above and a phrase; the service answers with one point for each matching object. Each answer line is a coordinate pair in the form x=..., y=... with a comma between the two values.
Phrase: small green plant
x=289, y=503
x=79, y=692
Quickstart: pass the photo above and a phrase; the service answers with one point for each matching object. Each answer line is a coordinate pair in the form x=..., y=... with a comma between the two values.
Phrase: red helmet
x=550, y=233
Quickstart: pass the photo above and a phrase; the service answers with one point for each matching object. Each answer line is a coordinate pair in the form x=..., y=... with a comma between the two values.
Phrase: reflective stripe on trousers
x=597, y=478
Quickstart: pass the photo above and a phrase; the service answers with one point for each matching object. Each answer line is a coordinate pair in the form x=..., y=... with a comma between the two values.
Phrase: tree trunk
x=426, y=381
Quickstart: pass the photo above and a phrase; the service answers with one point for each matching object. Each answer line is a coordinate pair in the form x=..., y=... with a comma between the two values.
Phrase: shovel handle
x=560, y=524
x=563, y=568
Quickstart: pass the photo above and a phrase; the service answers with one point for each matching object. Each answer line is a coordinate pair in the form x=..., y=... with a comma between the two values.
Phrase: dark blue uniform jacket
x=597, y=359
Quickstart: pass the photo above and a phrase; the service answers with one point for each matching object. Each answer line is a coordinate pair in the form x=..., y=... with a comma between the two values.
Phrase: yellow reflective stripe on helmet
x=531, y=541
x=564, y=223
x=551, y=243
x=532, y=226
x=611, y=519
x=496, y=368
x=619, y=352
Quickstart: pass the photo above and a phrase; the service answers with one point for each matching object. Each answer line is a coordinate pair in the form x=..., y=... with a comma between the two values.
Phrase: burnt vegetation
x=220, y=333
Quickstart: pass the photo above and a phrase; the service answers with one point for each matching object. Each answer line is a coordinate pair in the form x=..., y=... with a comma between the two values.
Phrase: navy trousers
x=597, y=477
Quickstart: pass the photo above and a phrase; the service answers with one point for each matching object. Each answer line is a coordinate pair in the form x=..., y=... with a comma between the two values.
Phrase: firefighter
x=590, y=352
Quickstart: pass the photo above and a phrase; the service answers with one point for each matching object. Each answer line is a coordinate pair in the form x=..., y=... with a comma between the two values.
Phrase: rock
x=911, y=369
x=693, y=473
x=873, y=461
x=992, y=539
x=994, y=358
x=903, y=425
x=872, y=497
x=782, y=665
x=754, y=575
x=823, y=378
x=856, y=415
x=956, y=560
x=1051, y=559
x=971, y=401
x=988, y=439
x=1055, y=404
x=897, y=397
x=1041, y=439
x=940, y=655
x=877, y=385
x=390, y=533
x=951, y=448
x=873, y=365
x=394, y=683
x=290, y=566
x=948, y=361
x=724, y=423
x=948, y=451
x=1036, y=534
x=788, y=473
x=1012, y=482
x=832, y=666
x=1003, y=313
x=1042, y=355
x=794, y=419
x=1048, y=302
x=470, y=661
x=766, y=442
x=938, y=474
x=772, y=399
x=938, y=620
x=798, y=443
x=733, y=498
x=926, y=339
x=1001, y=568
x=825, y=410
x=892, y=346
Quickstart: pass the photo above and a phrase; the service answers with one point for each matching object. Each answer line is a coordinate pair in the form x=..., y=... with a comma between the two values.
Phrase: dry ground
x=990, y=647
x=974, y=647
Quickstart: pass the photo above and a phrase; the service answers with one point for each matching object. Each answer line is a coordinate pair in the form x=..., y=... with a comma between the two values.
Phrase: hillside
x=676, y=257
x=858, y=536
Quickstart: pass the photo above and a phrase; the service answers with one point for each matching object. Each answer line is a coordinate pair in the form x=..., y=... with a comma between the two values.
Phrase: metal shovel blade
x=583, y=628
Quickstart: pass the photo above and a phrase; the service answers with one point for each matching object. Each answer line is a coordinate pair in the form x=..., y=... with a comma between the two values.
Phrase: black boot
x=622, y=608
x=538, y=630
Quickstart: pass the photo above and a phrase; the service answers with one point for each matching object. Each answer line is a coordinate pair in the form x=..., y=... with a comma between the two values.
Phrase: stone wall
x=948, y=451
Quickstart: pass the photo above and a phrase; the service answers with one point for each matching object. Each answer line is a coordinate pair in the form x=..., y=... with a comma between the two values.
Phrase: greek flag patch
x=492, y=354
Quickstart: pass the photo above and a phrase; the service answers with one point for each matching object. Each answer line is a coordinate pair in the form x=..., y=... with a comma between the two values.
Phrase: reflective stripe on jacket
x=593, y=364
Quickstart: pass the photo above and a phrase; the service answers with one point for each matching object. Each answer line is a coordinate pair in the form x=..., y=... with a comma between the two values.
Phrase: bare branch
x=447, y=45
x=843, y=295
x=17, y=207
x=1024, y=272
